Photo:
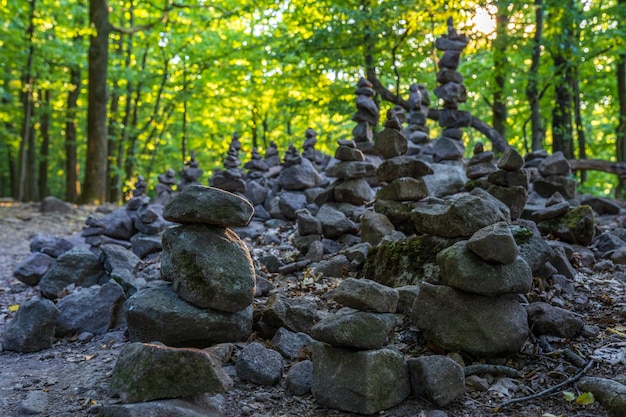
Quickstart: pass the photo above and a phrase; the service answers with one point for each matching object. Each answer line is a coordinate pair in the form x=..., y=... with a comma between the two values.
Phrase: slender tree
x=532, y=89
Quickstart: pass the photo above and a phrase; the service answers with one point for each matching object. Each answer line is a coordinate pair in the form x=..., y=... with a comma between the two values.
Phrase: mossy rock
x=406, y=262
x=577, y=226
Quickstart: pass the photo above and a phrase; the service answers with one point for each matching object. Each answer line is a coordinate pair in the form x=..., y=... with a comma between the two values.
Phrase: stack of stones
x=508, y=183
x=417, y=132
x=272, y=158
x=366, y=116
x=210, y=272
x=555, y=175
x=353, y=370
x=449, y=146
x=191, y=173
x=481, y=163
x=256, y=166
x=309, y=237
x=479, y=280
x=232, y=178
x=400, y=176
x=164, y=187
x=309, y=152
x=351, y=171
x=298, y=173
x=257, y=190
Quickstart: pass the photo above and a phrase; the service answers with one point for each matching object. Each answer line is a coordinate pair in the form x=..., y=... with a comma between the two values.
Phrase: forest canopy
x=95, y=93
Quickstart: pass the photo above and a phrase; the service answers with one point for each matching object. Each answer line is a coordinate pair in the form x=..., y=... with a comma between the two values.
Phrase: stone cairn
x=508, y=182
x=480, y=277
x=400, y=176
x=352, y=370
x=210, y=271
x=231, y=178
x=366, y=116
x=551, y=173
x=191, y=173
x=257, y=189
x=164, y=189
x=318, y=159
x=298, y=173
x=272, y=158
x=351, y=172
x=417, y=132
x=481, y=163
x=449, y=146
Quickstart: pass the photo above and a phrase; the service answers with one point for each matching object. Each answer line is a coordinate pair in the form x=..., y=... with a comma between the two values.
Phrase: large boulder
x=32, y=329
x=149, y=371
x=210, y=267
x=577, y=226
x=357, y=329
x=437, y=378
x=476, y=324
x=364, y=382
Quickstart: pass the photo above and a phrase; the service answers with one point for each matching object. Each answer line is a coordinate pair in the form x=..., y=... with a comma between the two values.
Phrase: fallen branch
x=617, y=168
x=569, y=354
x=549, y=390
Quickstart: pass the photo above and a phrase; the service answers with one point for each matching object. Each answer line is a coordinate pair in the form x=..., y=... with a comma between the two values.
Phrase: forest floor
x=75, y=375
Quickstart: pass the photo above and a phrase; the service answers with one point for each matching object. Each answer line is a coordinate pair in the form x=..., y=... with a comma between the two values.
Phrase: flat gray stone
x=367, y=295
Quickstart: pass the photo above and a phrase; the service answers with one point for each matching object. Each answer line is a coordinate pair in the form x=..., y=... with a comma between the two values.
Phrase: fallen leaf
x=569, y=396
x=14, y=307
x=585, y=398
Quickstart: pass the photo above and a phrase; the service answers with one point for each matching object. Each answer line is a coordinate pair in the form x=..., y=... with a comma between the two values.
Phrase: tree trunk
x=620, y=190
x=31, y=193
x=94, y=189
x=71, y=160
x=27, y=98
x=113, y=179
x=500, y=63
x=578, y=119
x=532, y=90
x=44, y=128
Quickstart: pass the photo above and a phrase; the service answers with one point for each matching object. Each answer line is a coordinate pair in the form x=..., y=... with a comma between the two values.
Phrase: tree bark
x=620, y=190
x=71, y=160
x=500, y=63
x=94, y=190
x=617, y=168
x=44, y=153
x=113, y=179
x=532, y=90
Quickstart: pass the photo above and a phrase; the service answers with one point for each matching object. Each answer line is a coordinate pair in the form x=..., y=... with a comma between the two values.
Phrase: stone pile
x=231, y=178
x=318, y=159
x=417, y=133
x=191, y=173
x=352, y=369
x=366, y=116
x=509, y=182
x=272, y=158
x=298, y=173
x=210, y=273
x=449, y=146
x=164, y=189
x=400, y=176
x=257, y=189
x=554, y=175
x=351, y=172
x=481, y=163
x=479, y=278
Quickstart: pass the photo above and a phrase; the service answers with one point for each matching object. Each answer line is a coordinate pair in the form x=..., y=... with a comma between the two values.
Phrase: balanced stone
x=402, y=166
x=494, y=243
x=404, y=189
x=359, y=329
x=209, y=205
x=351, y=169
x=511, y=160
x=365, y=294
x=390, y=142
x=210, y=267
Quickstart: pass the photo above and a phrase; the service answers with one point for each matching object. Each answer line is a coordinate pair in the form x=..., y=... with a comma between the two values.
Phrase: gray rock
x=513, y=197
x=334, y=222
x=259, y=365
x=256, y=193
x=533, y=249
x=36, y=402
x=601, y=205
x=175, y=407
x=351, y=169
x=359, y=329
x=155, y=312
x=118, y=224
x=54, y=205
x=121, y=264
x=308, y=224
x=220, y=277
x=346, y=153
x=50, y=245
x=363, y=382
x=299, y=177
x=95, y=310
x=374, y=227
x=404, y=189
x=455, y=218
x=145, y=372
x=337, y=266
x=355, y=191
x=546, y=186
x=77, y=266
x=447, y=149
x=144, y=245
x=551, y=212
x=290, y=344
x=407, y=295
x=300, y=377
x=577, y=226
x=437, y=378
x=402, y=166
x=555, y=164
x=489, y=325
x=290, y=203
x=390, y=142
x=209, y=205
x=33, y=268
x=315, y=253
x=463, y=270
x=494, y=243
x=607, y=242
x=554, y=321
x=295, y=314
x=511, y=160
x=367, y=295
x=32, y=328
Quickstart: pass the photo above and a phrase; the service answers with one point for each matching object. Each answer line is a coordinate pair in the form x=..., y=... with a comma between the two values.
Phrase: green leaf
x=585, y=398
x=569, y=396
